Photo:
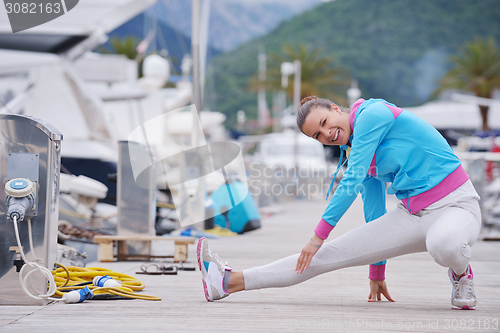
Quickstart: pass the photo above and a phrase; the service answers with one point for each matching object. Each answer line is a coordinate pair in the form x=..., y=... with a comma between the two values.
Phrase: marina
x=129, y=129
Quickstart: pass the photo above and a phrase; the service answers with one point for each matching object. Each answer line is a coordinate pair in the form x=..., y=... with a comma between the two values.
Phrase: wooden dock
x=333, y=302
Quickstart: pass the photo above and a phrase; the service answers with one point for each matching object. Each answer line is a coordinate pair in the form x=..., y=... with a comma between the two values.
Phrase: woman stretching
x=439, y=210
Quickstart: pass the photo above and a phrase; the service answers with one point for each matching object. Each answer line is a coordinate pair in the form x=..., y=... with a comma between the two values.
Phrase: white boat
x=95, y=100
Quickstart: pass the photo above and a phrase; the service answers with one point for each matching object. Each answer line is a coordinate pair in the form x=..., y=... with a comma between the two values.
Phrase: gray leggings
x=446, y=232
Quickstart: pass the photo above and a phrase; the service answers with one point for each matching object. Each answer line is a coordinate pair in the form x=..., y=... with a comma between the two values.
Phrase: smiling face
x=330, y=127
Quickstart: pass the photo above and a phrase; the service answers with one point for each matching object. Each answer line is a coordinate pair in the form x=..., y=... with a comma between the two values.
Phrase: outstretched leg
x=394, y=234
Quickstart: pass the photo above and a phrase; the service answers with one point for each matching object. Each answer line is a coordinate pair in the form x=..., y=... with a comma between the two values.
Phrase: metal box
x=136, y=204
x=29, y=148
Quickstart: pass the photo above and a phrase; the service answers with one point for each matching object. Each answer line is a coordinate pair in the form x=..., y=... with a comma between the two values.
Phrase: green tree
x=320, y=75
x=476, y=69
x=126, y=46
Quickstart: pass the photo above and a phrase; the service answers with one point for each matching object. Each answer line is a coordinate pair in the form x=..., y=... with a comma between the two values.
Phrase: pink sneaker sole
x=207, y=297
x=465, y=307
x=198, y=251
x=198, y=255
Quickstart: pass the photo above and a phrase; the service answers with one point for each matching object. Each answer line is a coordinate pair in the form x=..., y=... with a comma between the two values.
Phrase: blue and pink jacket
x=389, y=144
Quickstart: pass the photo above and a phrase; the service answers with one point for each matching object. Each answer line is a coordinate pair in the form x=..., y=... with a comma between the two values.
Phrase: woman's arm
x=371, y=127
x=373, y=195
x=372, y=124
x=374, y=207
x=308, y=253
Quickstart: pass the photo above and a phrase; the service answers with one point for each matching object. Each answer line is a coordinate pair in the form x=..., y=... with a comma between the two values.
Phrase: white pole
x=195, y=50
x=204, y=20
x=296, y=105
x=263, y=112
x=195, y=211
x=296, y=86
x=353, y=93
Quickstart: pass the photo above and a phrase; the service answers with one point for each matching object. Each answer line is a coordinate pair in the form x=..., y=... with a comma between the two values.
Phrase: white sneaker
x=463, y=296
x=214, y=272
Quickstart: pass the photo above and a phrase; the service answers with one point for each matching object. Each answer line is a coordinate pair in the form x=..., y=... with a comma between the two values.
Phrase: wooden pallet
x=106, y=243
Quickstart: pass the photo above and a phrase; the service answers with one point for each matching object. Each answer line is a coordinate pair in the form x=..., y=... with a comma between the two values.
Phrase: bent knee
x=449, y=251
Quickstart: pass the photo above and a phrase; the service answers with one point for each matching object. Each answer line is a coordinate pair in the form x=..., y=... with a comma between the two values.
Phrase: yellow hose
x=67, y=279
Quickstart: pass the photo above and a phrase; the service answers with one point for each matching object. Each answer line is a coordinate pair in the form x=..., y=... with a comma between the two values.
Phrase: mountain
x=396, y=49
x=232, y=22
x=166, y=37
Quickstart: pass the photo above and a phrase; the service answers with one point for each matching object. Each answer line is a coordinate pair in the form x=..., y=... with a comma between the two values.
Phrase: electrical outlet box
x=25, y=165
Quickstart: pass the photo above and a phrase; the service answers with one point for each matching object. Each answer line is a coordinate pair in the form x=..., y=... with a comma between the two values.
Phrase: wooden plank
x=105, y=247
x=121, y=248
x=105, y=252
x=110, y=238
x=181, y=252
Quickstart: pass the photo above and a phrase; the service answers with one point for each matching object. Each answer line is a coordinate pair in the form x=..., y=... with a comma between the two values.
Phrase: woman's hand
x=308, y=253
x=377, y=289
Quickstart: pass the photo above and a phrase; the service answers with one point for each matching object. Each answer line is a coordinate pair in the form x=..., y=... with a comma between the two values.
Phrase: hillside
x=396, y=49
x=232, y=22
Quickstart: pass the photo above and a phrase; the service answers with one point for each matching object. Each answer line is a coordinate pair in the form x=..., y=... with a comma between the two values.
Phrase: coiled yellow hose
x=74, y=277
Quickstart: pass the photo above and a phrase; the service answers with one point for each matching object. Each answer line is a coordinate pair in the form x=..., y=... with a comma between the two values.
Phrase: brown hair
x=307, y=104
